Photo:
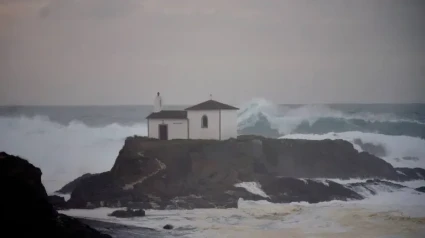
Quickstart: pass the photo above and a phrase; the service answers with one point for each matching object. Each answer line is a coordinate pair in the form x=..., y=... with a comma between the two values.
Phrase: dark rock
x=128, y=213
x=377, y=150
x=25, y=207
x=325, y=159
x=168, y=227
x=285, y=190
x=72, y=227
x=68, y=188
x=102, y=189
x=211, y=199
x=421, y=189
x=411, y=173
x=373, y=186
x=198, y=173
x=58, y=202
x=121, y=230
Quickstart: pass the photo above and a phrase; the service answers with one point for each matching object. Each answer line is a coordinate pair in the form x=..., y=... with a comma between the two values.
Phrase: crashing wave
x=319, y=119
x=65, y=152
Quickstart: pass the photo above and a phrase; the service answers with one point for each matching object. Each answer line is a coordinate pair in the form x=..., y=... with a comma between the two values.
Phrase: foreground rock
x=123, y=231
x=185, y=174
x=58, y=202
x=25, y=207
x=128, y=213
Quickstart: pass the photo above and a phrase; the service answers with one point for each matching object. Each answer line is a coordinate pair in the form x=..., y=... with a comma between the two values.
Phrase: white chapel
x=206, y=120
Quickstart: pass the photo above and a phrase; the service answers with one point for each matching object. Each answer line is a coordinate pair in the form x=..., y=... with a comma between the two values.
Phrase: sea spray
x=64, y=152
x=320, y=119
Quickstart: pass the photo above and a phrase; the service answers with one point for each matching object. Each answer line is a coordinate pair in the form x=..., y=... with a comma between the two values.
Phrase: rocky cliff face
x=71, y=186
x=25, y=207
x=149, y=173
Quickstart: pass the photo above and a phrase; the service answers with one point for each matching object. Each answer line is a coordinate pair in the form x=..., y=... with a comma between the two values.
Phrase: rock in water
x=128, y=213
x=421, y=189
x=168, y=227
x=25, y=207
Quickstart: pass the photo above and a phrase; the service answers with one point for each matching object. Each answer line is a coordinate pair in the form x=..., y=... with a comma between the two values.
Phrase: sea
x=68, y=141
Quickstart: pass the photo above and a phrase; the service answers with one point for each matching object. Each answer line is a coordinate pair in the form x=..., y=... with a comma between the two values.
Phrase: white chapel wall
x=195, y=124
x=177, y=128
x=229, y=124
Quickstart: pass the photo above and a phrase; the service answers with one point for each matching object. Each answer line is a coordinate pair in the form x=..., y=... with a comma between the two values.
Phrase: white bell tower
x=157, y=105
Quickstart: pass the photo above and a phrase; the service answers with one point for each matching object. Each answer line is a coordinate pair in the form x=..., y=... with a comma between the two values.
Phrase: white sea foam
x=382, y=217
x=252, y=187
x=413, y=183
x=410, y=184
x=343, y=181
x=64, y=152
x=389, y=213
x=396, y=147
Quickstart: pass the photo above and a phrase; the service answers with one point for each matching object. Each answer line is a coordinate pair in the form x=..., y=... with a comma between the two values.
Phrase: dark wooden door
x=163, y=132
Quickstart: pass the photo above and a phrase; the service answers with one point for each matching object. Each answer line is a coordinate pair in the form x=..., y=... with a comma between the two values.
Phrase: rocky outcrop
x=175, y=174
x=128, y=213
x=68, y=188
x=294, y=190
x=25, y=207
x=377, y=150
x=411, y=173
x=374, y=186
x=421, y=189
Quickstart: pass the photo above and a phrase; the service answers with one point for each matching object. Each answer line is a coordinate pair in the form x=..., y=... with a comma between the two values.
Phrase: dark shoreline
x=122, y=231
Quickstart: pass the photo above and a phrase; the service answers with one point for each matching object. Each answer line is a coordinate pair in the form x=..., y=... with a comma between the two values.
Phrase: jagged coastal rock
x=71, y=186
x=150, y=173
x=25, y=207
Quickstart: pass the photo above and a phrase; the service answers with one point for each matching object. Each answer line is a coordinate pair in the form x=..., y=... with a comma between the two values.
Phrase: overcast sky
x=96, y=52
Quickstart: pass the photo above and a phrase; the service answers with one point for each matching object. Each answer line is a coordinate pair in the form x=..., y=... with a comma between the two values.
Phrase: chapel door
x=163, y=132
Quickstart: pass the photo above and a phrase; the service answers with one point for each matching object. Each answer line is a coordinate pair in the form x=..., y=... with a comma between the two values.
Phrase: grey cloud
x=89, y=8
x=299, y=51
x=15, y=1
